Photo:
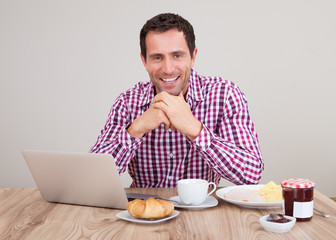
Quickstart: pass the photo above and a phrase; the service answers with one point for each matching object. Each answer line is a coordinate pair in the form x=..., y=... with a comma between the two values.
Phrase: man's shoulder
x=139, y=88
x=216, y=82
x=138, y=95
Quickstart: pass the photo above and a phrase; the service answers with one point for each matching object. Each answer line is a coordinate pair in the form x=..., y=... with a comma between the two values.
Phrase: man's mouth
x=169, y=80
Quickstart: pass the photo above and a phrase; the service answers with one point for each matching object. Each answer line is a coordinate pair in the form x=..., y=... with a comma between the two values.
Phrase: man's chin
x=173, y=92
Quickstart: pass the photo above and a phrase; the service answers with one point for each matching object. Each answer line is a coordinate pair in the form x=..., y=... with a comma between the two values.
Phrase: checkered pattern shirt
x=227, y=147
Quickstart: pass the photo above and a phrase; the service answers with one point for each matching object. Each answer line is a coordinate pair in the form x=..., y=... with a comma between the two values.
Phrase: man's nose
x=168, y=66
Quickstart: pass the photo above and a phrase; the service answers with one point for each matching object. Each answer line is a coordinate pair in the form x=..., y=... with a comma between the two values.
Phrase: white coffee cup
x=194, y=191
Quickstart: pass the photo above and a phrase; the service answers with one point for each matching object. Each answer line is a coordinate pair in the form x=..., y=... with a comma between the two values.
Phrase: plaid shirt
x=227, y=147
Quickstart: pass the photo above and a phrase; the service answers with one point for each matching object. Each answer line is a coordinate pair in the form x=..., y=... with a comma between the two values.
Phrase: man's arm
x=233, y=150
x=114, y=138
x=120, y=137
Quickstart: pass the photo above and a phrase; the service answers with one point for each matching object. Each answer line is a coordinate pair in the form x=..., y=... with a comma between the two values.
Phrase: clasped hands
x=173, y=111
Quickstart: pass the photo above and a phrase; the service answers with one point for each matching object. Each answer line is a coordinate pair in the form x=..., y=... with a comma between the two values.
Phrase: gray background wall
x=64, y=62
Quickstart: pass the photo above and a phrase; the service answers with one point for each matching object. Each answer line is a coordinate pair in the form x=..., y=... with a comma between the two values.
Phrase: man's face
x=168, y=61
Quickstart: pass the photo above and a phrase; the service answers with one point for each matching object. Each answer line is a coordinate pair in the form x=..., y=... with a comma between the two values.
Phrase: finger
x=161, y=115
x=166, y=122
x=161, y=97
x=167, y=127
x=181, y=94
x=160, y=105
x=157, y=97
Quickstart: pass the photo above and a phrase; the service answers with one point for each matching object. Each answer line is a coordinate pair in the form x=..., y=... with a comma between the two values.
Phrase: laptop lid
x=77, y=178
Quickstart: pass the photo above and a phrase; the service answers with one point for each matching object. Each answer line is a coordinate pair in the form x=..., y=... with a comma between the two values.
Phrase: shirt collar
x=194, y=90
x=147, y=95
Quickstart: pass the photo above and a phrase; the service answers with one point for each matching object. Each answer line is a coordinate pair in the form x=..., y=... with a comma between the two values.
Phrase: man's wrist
x=134, y=131
x=195, y=131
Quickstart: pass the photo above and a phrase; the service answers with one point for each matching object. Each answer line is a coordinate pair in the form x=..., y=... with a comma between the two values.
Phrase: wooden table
x=25, y=215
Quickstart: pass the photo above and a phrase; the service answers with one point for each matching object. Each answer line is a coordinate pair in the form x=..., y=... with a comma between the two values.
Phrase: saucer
x=209, y=202
x=124, y=215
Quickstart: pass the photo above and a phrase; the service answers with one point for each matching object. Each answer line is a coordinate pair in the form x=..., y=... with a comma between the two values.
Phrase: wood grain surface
x=25, y=215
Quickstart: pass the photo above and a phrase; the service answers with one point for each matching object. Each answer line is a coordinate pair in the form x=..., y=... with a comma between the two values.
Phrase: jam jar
x=298, y=198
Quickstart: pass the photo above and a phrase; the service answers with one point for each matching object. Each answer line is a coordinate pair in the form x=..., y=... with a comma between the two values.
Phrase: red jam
x=298, y=196
x=277, y=218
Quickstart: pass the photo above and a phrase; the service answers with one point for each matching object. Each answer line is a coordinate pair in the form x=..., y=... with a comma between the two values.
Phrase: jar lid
x=297, y=183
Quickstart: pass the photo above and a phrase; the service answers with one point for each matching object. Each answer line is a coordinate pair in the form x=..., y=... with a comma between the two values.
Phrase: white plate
x=260, y=205
x=209, y=202
x=126, y=216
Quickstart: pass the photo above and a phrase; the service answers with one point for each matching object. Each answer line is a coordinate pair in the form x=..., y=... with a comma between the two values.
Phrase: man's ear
x=143, y=60
x=193, y=57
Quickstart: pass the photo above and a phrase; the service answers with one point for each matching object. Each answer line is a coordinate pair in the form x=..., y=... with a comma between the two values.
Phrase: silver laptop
x=78, y=178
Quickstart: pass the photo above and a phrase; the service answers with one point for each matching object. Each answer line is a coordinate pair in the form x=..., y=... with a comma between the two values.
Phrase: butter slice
x=271, y=192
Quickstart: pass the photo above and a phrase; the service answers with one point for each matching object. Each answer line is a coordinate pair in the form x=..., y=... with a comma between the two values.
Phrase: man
x=180, y=125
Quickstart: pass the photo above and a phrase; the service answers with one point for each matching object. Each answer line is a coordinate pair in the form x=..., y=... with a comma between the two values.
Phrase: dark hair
x=164, y=22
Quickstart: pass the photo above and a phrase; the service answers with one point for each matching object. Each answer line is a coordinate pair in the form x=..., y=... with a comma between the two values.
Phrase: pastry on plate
x=151, y=208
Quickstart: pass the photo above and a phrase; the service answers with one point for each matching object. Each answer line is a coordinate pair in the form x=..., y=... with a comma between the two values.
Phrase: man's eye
x=157, y=58
x=177, y=55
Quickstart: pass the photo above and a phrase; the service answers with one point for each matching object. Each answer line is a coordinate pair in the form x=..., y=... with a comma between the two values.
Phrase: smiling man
x=180, y=124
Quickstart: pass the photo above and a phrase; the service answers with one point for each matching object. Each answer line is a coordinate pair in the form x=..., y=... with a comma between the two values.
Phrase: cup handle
x=212, y=183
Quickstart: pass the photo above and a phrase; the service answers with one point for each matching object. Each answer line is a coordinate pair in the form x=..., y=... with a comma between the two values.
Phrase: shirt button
x=129, y=141
x=171, y=155
x=169, y=130
x=202, y=144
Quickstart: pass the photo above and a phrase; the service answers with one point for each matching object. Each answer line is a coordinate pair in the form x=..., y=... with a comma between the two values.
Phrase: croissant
x=150, y=209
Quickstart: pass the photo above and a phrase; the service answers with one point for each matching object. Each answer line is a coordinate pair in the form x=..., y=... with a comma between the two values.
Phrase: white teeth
x=169, y=79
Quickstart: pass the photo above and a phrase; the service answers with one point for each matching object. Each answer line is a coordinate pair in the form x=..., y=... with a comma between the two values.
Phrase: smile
x=168, y=80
